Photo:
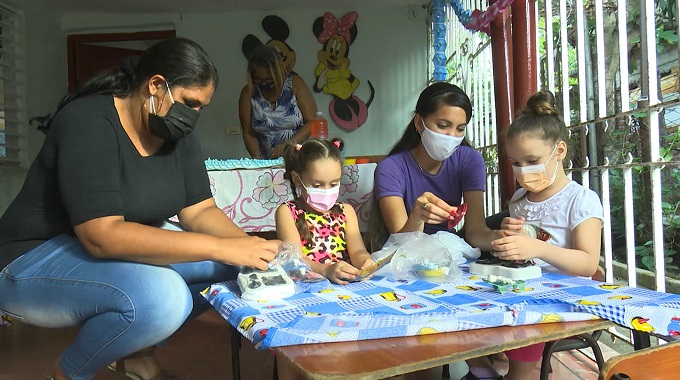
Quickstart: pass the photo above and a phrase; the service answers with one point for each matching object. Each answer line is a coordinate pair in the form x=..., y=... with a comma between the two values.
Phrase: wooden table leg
x=235, y=348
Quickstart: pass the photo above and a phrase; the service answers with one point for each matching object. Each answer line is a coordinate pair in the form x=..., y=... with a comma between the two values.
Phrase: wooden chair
x=576, y=342
x=656, y=363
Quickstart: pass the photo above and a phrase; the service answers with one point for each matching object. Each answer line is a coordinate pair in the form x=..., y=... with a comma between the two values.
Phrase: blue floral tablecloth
x=383, y=307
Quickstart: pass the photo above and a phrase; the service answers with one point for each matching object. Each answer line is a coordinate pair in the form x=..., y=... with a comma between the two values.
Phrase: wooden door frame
x=73, y=40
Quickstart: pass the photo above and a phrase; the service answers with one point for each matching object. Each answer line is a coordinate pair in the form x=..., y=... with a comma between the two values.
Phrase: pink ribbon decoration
x=332, y=26
x=482, y=20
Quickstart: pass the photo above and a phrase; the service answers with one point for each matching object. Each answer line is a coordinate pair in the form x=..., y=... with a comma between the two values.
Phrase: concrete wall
x=390, y=50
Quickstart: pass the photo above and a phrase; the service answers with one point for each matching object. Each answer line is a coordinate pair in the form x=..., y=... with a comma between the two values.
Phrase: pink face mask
x=321, y=199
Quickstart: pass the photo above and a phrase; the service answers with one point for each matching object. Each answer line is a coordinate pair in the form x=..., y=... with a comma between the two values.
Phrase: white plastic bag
x=418, y=256
x=458, y=248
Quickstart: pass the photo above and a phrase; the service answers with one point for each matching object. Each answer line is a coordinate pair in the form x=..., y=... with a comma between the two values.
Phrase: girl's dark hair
x=434, y=97
x=180, y=61
x=540, y=117
x=298, y=158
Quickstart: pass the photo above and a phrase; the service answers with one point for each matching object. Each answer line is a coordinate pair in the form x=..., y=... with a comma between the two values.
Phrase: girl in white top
x=553, y=220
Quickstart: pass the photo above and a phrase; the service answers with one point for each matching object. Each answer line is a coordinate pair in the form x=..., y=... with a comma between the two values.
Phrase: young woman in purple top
x=431, y=170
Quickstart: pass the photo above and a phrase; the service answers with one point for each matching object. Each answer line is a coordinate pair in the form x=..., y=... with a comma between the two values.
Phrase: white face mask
x=438, y=145
x=534, y=178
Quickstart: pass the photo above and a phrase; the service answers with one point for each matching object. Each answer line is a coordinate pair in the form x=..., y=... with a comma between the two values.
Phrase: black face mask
x=177, y=123
x=266, y=86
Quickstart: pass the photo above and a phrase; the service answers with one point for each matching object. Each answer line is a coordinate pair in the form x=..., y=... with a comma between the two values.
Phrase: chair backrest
x=656, y=363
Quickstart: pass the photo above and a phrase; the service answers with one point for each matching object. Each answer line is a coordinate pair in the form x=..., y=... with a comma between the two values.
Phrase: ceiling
x=200, y=6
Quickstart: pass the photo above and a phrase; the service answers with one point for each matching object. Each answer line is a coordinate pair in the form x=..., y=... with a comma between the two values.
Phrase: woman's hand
x=278, y=151
x=428, y=208
x=517, y=247
x=341, y=272
x=249, y=251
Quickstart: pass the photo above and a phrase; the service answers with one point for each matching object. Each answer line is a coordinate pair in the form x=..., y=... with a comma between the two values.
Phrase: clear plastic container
x=319, y=127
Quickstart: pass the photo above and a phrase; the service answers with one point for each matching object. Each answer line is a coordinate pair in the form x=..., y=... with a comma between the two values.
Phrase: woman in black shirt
x=80, y=244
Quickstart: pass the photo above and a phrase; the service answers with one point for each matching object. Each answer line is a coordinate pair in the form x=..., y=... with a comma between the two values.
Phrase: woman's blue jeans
x=122, y=306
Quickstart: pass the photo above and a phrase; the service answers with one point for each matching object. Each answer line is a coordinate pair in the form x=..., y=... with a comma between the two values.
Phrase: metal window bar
x=469, y=66
x=613, y=110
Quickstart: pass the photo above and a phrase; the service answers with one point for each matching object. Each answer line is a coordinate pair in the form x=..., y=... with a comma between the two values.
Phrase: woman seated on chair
x=80, y=244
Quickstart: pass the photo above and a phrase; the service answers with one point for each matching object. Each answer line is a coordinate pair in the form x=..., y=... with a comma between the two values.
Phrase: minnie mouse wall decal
x=336, y=35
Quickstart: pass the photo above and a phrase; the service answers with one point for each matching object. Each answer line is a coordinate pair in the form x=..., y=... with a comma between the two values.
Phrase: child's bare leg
x=522, y=362
x=519, y=370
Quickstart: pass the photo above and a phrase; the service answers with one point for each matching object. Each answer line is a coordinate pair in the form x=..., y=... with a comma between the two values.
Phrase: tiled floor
x=201, y=351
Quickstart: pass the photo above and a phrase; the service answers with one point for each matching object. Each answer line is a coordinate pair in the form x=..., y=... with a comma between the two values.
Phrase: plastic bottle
x=319, y=127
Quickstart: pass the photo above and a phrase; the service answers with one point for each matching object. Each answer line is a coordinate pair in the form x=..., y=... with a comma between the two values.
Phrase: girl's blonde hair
x=269, y=58
x=298, y=158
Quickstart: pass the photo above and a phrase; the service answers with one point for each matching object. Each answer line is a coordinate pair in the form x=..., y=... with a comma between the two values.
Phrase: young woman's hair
x=298, y=158
x=434, y=97
x=541, y=119
x=180, y=61
x=269, y=58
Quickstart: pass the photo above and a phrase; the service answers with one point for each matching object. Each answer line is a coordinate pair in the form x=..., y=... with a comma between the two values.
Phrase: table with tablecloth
x=383, y=307
x=250, y=197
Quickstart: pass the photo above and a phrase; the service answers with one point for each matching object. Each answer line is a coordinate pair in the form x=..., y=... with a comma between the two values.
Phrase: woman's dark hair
x=434, y=97
x=540, y=117
x=298, y=158
x=180, y=61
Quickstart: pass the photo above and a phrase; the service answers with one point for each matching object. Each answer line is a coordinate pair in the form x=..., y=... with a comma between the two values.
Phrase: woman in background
x=275, y=106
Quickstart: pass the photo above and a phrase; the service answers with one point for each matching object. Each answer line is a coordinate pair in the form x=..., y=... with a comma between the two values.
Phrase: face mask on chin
x=438, y=145
x=534, y=178
x=177, y=123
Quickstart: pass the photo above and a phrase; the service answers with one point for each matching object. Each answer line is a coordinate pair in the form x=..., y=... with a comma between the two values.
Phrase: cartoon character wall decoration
x=278, y=31
x=336, y=35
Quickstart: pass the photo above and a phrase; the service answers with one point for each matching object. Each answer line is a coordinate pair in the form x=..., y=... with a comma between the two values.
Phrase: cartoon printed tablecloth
x=250, y=197
x=383, y=307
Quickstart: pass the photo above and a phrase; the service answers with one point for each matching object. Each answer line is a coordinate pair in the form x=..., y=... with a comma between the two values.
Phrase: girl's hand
x=428, y=208
x=517, y=247
x=340, y=272
x=512, y=226
x=369, y=262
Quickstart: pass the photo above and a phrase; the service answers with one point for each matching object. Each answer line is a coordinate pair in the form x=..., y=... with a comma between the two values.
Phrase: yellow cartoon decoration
x=347, y=111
